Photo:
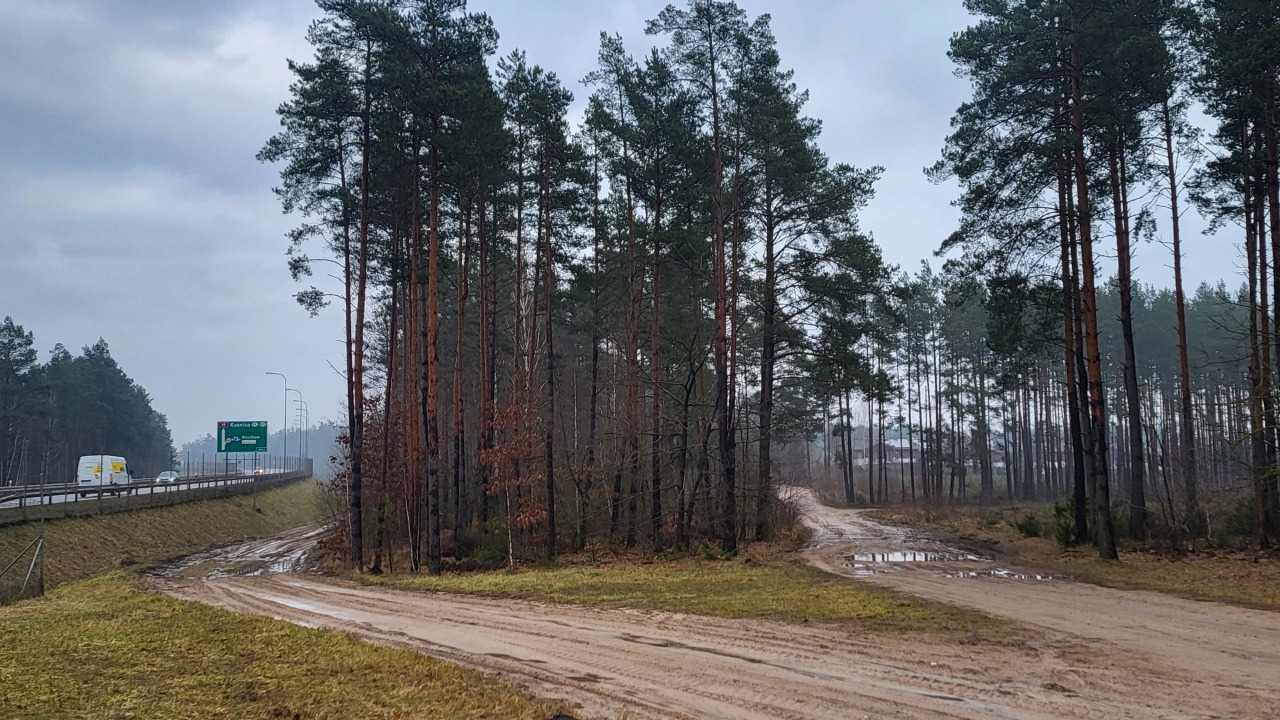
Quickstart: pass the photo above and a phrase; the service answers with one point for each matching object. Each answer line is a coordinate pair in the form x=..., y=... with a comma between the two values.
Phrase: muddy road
x=1237, y=644
x=644, y=664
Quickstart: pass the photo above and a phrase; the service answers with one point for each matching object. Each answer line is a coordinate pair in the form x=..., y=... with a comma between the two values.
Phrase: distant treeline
x=51, y=413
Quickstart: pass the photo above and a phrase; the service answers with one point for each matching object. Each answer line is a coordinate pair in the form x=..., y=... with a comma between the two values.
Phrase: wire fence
x=197, y=465
x=34, y=551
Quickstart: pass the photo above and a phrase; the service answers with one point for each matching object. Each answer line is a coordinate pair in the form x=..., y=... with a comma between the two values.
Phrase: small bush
x=489, y=546
x=1241, y=519
x=1064, y=523
x=711, y=552
x=1029, y=525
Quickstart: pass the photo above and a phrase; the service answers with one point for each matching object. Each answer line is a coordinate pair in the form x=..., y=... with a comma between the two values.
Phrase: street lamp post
x=285, y=428
x=304, y=411
x=299, y=423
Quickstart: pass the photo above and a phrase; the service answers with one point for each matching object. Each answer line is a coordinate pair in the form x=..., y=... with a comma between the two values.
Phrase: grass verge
x=78, y=547
x=1239, y=577
x=764, y=585
x=106, y=648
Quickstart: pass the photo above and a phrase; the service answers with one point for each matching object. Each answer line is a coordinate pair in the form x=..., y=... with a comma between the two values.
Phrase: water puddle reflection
x=870, y=564
x=914, y=556
x=1003, y=574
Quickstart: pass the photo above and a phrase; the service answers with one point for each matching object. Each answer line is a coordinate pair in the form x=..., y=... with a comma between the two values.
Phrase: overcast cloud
x=134, y=209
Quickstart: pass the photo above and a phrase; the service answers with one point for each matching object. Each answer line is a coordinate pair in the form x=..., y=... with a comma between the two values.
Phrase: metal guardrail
x=28, y=502
x=21, y=493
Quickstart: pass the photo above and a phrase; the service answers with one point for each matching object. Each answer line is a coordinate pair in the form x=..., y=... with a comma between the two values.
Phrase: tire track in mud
x=733, y=670
x=672, y=666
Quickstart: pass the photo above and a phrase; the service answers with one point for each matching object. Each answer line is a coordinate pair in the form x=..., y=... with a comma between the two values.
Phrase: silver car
x=168, y=476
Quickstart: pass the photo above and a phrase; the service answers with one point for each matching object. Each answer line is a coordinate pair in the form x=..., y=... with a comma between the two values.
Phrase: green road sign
x=242, y=436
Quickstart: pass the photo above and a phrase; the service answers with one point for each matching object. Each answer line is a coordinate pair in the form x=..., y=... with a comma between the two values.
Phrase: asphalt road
x=73, y=497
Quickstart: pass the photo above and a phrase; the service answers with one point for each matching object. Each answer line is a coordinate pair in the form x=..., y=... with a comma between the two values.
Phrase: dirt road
x=663, y=665
x=1237, y=644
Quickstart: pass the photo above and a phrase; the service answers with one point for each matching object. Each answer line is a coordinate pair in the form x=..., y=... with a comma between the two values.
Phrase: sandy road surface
x=1240, y=645
x=664, y=665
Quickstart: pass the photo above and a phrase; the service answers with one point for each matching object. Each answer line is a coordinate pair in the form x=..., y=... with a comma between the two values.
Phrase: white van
x=102, y=471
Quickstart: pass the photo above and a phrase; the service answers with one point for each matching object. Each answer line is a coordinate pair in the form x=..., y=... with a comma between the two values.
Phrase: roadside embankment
x=78, y=547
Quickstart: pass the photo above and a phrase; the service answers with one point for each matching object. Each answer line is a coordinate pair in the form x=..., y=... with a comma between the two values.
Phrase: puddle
x=1003, y=574
x=871, y=564
x=271, y=556
x=913, y=556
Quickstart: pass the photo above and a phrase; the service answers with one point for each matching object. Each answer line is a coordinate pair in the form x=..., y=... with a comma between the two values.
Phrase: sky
x=134, y=210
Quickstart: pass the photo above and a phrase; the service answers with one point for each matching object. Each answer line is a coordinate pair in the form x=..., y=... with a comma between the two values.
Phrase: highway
x=16, y=496
x=73, y=497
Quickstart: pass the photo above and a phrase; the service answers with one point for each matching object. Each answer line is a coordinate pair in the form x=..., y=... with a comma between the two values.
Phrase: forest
x=51, y=413
x=633, y=324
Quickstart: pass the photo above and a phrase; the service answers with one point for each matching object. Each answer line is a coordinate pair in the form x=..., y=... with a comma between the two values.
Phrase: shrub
x=1064, y=523
x=1029, y=525
x=490, y=545
x=1241, y=519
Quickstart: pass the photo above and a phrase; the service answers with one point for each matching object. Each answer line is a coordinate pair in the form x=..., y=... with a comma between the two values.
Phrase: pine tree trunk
x=1009, y=437
x=846, y=439
x=1272, y=180
x=416, y=290
x=355, y=513
x=459, y=416
x=871, y=452
x=911, y=442
x=655, y=410
x=549, y=287
x=1137, y=466
x=682, y=500
x=1257, y=440
x=723, y=404
x=1264, y=373
x=1105, y=536
x=432, y=420
x=593, y=413
x=987, y=482
x=1188, y=453
x=633, y=366
x=384, y=470
x=355, y=392
x=488, y=350
x=1074, y=355
x=768, y=348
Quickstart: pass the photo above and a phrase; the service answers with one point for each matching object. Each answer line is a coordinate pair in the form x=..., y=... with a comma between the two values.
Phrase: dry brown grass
x=107, y=649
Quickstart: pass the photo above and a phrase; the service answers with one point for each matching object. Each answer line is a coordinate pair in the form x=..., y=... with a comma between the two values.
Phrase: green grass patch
x=1241, y=577
x=1248, y=579
x=105, y=648
x=749, y=587
x=77, y=547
